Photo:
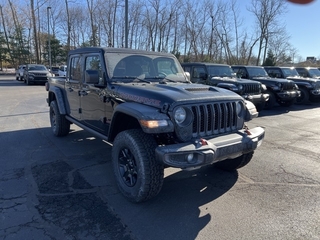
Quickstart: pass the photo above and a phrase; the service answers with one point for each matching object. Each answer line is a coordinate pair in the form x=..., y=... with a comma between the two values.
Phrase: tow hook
x=246, y=130
x=201, y=142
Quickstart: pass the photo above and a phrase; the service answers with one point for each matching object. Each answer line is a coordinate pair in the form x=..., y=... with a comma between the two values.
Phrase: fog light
x=190, y=158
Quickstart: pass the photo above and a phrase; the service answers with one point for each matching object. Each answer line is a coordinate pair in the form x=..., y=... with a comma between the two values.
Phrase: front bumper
x=203, y=152
x=256, y=99
x=288, y=95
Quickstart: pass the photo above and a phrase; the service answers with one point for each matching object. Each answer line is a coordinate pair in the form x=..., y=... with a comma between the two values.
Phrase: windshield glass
x=37, y=68
x=257, y=72
x=220, y=71
x=148, y=67
x=290, y=72
x=314, y=72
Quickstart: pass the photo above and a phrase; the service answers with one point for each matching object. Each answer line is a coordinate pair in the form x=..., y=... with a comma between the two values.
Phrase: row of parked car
x=38, y=73
x=263, y=86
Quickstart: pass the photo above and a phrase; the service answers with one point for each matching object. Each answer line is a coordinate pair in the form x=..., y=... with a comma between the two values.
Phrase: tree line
x=206, y=30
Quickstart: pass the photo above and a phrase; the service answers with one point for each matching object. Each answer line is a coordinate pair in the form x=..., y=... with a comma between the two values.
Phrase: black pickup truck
x=221, y=75
x=281, y=91
x=309, y=87
x=143, y=105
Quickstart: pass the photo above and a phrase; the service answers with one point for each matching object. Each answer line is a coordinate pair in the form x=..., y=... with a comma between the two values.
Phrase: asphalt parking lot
x=63, y=188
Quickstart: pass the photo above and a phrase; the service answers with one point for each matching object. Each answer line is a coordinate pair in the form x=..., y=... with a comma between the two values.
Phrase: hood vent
x=200, y=89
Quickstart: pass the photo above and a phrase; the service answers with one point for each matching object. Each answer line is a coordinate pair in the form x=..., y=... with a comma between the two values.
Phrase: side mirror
x=187, y=74
x=91, y=77
x=203, y=76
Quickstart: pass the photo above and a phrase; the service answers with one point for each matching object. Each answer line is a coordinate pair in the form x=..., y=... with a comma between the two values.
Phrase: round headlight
x=239, y=108
x=240, y=87
x=180, y=115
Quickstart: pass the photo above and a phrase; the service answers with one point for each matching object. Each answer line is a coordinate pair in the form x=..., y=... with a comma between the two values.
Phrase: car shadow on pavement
x=72, y=191
x=278, y=110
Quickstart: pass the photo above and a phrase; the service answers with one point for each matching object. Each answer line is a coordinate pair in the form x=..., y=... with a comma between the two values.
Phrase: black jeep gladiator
x=310, y=72
x=143, y=104
x=222, y=75
x=281, y=91
x=309, y=87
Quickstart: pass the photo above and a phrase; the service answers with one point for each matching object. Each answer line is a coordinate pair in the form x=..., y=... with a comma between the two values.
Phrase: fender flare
x=141, y=112
x=57, y=94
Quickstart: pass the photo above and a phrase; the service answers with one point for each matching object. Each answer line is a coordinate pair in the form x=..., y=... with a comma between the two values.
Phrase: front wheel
x=59, y=124
x=304, y=96
x=139, y=176
x=286, y=103
x=236, y=163
x=271, y=102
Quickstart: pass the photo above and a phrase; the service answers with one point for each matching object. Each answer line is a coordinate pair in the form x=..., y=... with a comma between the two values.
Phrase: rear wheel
x=139, y=176
x=236, y=163
x=59, y=124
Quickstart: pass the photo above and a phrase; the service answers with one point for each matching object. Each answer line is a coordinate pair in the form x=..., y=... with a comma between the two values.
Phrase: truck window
x=94, y=63
x=75, y=73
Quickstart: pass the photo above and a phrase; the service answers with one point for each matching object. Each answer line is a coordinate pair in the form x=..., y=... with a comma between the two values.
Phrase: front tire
x=59, y=124
x=271, y=102
x=139, y=176
x=236, y=163
x=304, y=98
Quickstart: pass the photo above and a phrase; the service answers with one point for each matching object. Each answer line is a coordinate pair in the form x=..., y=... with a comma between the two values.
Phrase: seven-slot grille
x=251, y=88
x=288, y=86
x=214, y=118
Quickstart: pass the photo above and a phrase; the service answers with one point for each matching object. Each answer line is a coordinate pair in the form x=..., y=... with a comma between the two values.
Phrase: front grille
x=251, y=88
x=288, y=86
x=214, y=118
x=317, y=86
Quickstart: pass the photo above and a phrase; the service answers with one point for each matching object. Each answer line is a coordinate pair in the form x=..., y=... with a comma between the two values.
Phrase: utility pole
x=49, y=44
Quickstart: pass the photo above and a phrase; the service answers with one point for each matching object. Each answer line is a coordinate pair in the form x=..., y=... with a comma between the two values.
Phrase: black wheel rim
x=53, y=119
x=127, y=167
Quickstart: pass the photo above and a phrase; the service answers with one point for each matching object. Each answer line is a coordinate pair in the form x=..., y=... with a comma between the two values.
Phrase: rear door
x=73, y=80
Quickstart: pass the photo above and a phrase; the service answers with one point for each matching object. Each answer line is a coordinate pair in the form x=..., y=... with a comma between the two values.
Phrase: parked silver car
x=19, y=72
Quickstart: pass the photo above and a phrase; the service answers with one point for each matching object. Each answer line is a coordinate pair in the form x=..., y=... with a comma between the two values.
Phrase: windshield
x=314, y=72
x=129, y=67
x=257, y=72
x=220, y=71
x=290, y=72
x=37, y=68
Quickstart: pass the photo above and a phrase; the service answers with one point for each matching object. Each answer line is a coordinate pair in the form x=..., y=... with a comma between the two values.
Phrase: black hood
x=158, y=95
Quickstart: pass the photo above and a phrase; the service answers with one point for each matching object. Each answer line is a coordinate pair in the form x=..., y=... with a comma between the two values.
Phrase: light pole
x=126, y=24
x=49, y=44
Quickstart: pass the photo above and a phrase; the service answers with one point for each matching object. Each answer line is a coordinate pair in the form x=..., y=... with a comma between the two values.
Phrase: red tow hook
x=246, y=130
x=203, y=142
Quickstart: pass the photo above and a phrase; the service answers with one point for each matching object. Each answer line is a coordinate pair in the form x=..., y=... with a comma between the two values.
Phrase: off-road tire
x=59, y=124
x=272, y=100
x=260, y=106
x=236, y=163
x=286, y=103
x=304, y=98
x=139, y=176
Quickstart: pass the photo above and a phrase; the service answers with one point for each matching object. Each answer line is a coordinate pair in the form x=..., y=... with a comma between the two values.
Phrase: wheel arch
x=56, y=94
x=128, y=116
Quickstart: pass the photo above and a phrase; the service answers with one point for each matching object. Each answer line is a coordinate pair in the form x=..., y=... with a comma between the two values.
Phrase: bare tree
x=266, y=13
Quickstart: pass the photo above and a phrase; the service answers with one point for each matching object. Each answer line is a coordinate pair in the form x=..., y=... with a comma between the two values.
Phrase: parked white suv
x=19, y=72
x=62, y=71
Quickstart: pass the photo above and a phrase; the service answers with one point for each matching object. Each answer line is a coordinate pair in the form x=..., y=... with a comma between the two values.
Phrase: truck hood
x=303, y=79
x=233, y=80
x=159, y=95
x=269, y=79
